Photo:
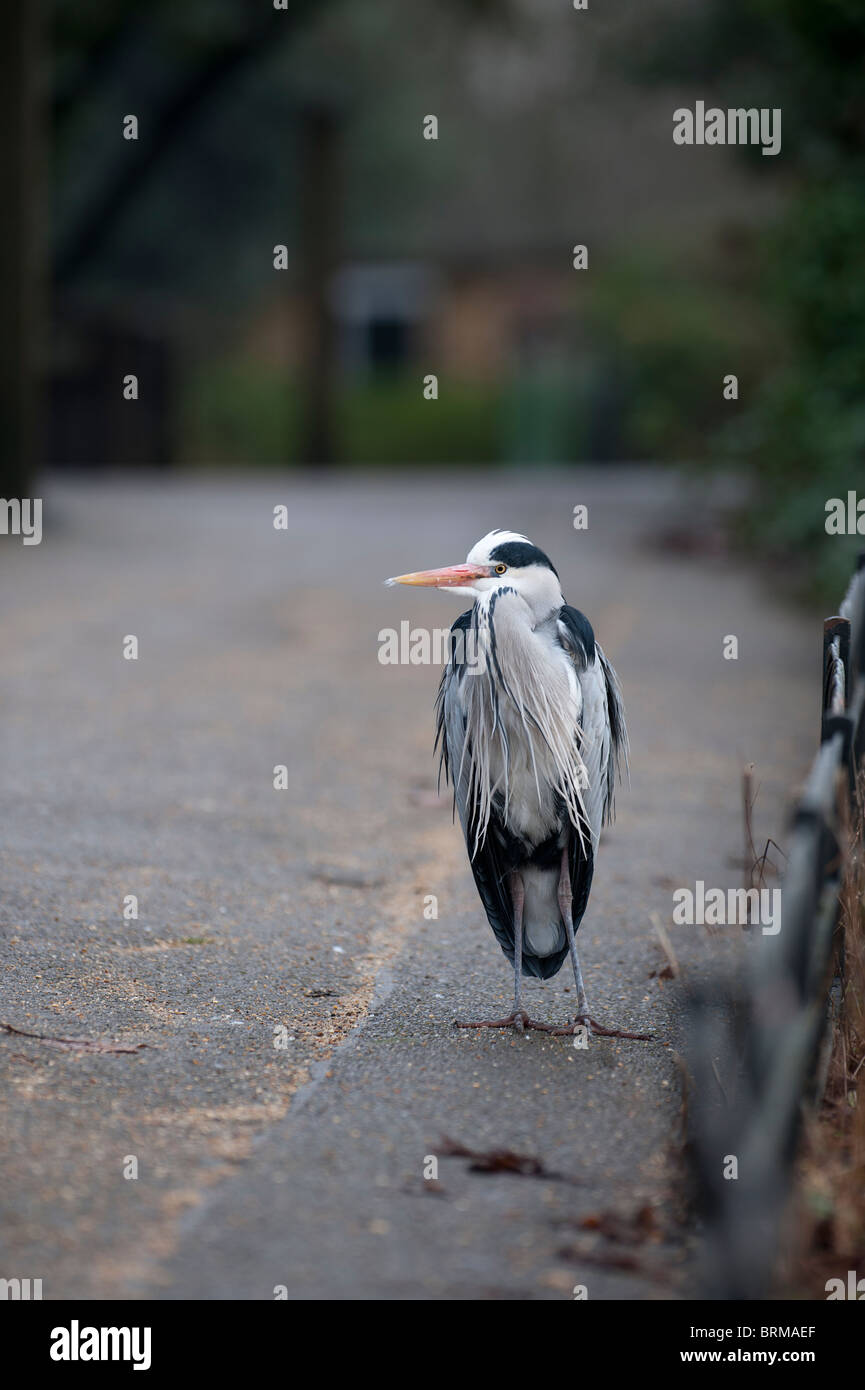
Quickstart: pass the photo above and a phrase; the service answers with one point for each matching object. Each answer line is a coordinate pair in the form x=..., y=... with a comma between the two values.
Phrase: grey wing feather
x=617, y=763
x=603, y=733
x=451, y=725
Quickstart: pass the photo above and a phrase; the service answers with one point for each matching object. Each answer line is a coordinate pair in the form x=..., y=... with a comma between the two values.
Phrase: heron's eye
x=501, y=569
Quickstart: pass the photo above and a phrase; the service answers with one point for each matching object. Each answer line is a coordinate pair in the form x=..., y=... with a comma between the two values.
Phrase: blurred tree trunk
x=20, y=240
x=320, y=139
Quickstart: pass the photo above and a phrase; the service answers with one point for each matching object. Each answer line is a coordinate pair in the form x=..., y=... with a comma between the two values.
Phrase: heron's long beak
x=448, y=578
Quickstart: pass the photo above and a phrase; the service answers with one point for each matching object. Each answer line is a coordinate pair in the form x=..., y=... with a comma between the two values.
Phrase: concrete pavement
x=302, y=1167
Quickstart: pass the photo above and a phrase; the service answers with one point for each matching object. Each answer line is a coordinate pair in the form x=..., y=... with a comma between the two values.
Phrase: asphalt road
x=300, y=1167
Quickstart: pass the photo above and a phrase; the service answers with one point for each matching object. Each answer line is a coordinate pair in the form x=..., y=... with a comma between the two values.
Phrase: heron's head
x=502, y=559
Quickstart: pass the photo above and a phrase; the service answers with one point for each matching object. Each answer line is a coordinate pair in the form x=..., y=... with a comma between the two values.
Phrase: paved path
x=303, y=1167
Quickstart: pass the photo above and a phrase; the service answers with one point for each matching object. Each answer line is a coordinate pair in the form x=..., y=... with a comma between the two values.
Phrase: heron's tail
x=543, y=929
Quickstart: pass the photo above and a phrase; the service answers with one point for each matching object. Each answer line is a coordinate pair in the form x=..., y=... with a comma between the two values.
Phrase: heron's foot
x=598, y=1030
x=519, y=1020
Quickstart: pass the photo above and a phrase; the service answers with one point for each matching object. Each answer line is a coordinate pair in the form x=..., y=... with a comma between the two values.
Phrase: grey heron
x=531, y=734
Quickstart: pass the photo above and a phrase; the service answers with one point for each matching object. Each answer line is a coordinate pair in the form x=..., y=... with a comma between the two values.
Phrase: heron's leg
x=519, y=1019
x=566, y=909
x=582, y=1015
x=518, y=898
